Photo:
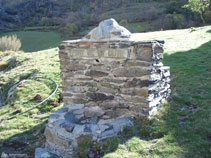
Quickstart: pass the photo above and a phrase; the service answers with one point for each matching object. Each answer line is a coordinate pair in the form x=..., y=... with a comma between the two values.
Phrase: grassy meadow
x=181, y=129
x=36, y=40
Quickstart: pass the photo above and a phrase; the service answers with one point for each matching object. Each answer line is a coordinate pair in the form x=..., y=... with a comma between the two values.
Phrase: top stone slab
x=107, y=30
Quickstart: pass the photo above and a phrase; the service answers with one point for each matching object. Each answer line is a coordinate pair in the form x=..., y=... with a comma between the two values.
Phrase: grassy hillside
x=35, y=40
x=181, y=129
x=154, y=14
x=28, y=128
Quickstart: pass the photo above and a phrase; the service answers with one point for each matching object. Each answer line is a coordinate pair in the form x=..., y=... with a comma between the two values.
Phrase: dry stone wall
x=107, y=79
x=115, y=78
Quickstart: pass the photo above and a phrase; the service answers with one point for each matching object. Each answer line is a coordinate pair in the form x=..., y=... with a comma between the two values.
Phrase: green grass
x=180, y=130
x=23, y=127
x=182, y=127
x=35, y=40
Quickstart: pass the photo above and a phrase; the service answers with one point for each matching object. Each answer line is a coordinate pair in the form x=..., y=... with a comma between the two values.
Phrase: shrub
x=84, y=145
x=54, y=21
x=111, y=144
x=175, y=6
x=207, y=16
x=105, y=16
x=70, y=29
x=139, y=29
x=50, y=21
x=43, y=21
x=123, y=22
x=87, y=19
x=174, y=21
x=153, y=13
x=9, y=43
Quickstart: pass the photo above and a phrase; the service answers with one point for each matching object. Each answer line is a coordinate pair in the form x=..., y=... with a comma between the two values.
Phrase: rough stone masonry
x=108, y=78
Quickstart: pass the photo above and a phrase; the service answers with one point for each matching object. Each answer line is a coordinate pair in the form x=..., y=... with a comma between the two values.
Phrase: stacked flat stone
x=64, y=129
x=118, y=77
x=107, y=79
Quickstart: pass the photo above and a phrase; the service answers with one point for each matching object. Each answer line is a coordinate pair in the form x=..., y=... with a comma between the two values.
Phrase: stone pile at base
x=107, y=79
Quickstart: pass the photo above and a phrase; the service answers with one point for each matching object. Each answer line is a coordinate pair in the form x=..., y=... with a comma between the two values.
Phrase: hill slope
x=152, y=13
x=181, y=129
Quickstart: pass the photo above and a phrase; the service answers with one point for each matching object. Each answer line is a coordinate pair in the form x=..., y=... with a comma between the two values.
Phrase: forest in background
x=73, y=16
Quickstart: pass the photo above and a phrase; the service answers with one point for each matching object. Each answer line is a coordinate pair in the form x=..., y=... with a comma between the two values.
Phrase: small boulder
x=108, y=29
x=69, y=117
x=93, y=111
x=44, y=153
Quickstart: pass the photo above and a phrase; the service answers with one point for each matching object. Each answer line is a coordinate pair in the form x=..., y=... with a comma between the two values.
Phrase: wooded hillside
x=72, y=16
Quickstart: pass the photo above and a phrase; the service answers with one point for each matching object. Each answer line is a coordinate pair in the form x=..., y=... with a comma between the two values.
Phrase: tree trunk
x=202, y=18
x=210, y=5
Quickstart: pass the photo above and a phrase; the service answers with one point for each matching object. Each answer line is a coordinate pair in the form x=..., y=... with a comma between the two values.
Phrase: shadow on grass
x=182, y=129
x=24, y=143
x=188, y=117
x=4, y=89
x=27, y=141
x=209, y=31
